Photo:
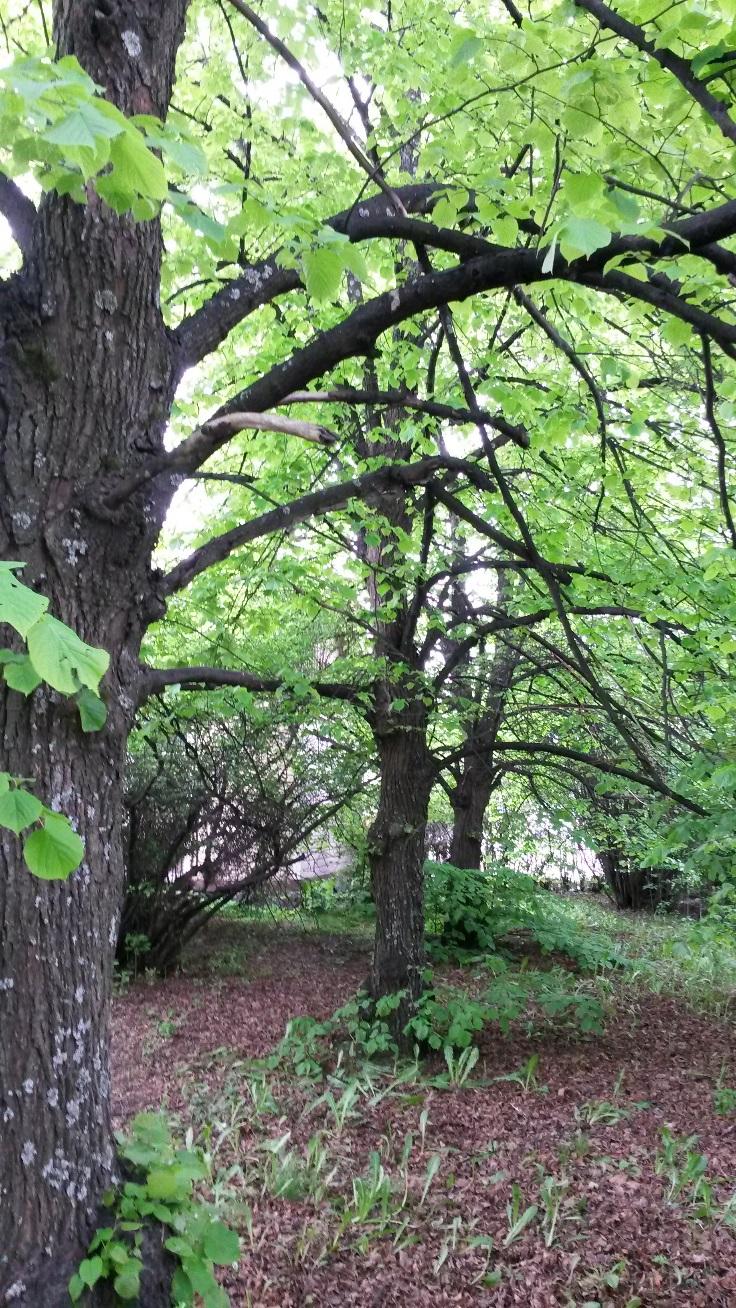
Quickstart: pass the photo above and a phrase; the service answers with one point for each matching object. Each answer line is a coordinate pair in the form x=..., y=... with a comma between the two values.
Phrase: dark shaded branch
x=287, y=516
x=710, y=411
x=542, y=321
x=340, y=126
x=20, y=213
x=373, y=219
x=513, y=12
x=357, y=334
x=401, y=399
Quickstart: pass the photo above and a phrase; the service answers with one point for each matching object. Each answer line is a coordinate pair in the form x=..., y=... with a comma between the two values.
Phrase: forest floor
x=553, y=1187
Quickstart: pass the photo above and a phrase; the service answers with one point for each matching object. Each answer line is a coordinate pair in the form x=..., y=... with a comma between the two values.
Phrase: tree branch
x=342, y=129
x=675, y=64
x=373, y=219
x=513, y=12
x=20, y=213
x=710, y=411
x=400, y=399
x=542, y=321
x=232, y=423
x=314, y=503
x=357, y=334
x=155, y=679
x=603, y=765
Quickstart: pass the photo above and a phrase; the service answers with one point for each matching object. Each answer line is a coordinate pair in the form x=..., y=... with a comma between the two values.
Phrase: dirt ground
x=580, y=1142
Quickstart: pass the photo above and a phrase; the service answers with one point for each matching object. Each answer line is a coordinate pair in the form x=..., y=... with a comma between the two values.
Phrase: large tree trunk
x=397, y=860
x=86, y=381
x=626, y=884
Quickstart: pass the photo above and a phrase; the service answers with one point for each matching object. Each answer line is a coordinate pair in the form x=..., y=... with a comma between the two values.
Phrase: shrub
x=470, y=912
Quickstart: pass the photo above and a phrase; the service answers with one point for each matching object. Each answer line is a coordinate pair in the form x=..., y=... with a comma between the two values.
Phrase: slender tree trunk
x=86, y=382
x=478, y=776
x=397, y=860
x=470, y=800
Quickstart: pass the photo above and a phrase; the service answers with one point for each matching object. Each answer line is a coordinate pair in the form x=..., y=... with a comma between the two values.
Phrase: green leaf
x=90, y=1270
x=18, y=809
x=92, y=710
x=196, y=218
x=85, y=126
x=176, y=1245
x=582, y=187
x=168, y=1183
x=505, y=229
x=182, y=1290
x=20, y=607
x=188, y=156
x=467, y=50
x=127, y=1282
x=21, y=675
x=216, y=1297
x=582, y=236
x=75, y=1288
x=221, y=1244
x=55, y=851
x=323, y=269
x=62, y=659
x=201, y=1277
x=518, y=1226
x=136, y=169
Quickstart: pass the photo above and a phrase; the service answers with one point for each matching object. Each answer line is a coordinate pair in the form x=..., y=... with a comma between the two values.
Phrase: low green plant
x=359, y=1027
x=289, y=1174
x=682, y=1166
x=162, y=1192
x=525, y=1076
x=724, y=1097
x=600, y=1112
x=518, y=1216
x=137, y=945
x=460, y=1066
x=318, y=896
x=340, y=1108
x=447, y=1019
x=552, y=1194
x=169, y=1025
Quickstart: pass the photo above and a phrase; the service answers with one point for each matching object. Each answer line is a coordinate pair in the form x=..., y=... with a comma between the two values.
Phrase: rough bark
x=631, y=887
x=86, y=382
x=397, y=840
x=478, y=773
x=624, y=888
x=397, y=837
x=470, y=800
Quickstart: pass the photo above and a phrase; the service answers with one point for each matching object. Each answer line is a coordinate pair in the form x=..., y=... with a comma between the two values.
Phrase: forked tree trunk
x=397, y=861
x=86, y=382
